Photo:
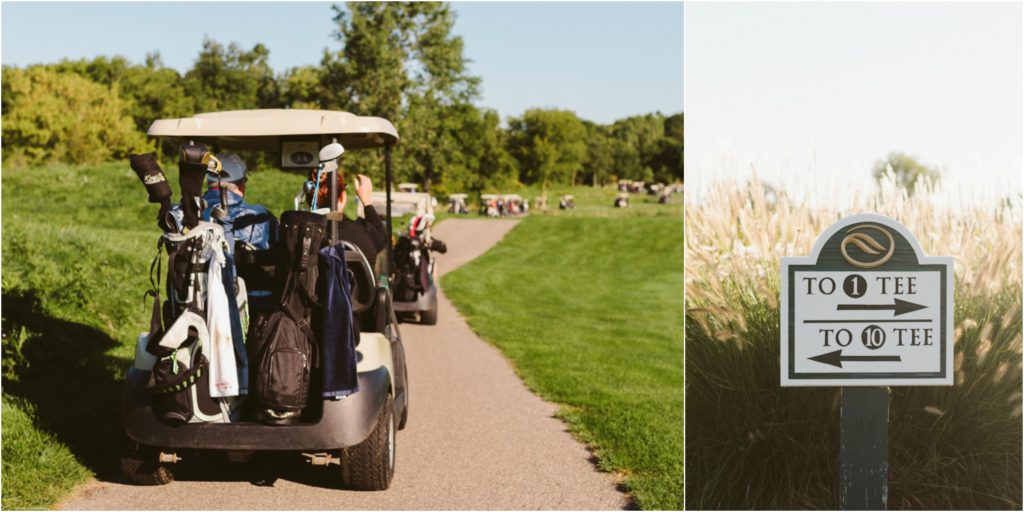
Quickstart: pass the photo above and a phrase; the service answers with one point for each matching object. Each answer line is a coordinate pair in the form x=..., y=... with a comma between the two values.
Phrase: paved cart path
x=477, y=438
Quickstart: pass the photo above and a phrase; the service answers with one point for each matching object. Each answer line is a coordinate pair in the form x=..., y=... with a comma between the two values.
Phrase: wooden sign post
x=867, y=309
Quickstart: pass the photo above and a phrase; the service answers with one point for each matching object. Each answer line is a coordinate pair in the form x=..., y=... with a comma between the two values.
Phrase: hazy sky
x=603, y=60
x=816, y=93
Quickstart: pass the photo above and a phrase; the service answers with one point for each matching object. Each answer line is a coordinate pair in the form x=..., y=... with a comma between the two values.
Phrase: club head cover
x=438, y=246
x=152, y=177
x=192, y=163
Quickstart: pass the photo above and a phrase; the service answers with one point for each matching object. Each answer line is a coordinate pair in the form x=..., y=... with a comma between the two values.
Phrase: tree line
x=399, y=61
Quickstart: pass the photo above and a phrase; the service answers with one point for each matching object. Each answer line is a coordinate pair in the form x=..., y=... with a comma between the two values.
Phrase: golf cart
x=457, y=204
x=665, y=195
x=567, y=202
x=413, y=275
x=408, y=187
x=514, y=204
x=622, y=200
x=352, y=435
x=489, y=205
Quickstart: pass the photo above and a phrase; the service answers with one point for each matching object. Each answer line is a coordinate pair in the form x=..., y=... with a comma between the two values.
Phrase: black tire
x=429, y=317
x=370, y=465
x=140, y=466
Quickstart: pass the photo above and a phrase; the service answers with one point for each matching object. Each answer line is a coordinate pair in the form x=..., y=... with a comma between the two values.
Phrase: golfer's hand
x=364, y=190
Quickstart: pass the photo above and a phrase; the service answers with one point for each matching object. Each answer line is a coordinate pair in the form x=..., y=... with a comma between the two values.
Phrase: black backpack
x=284, y=342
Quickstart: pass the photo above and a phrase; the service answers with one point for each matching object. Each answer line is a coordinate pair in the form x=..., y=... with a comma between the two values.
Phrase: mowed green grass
x=77, y=245
x=590, y=312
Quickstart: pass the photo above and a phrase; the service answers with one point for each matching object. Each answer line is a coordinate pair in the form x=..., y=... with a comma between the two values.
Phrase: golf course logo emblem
x=868, y=245
x=301, y=157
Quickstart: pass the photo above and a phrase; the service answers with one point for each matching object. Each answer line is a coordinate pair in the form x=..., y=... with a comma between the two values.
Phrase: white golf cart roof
x=457, y=196
x=488, y=197
x=403, y=203
x=265, y=130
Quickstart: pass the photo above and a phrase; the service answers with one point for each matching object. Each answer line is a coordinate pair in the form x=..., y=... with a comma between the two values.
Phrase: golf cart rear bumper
x=346, y=422
x=423, y=302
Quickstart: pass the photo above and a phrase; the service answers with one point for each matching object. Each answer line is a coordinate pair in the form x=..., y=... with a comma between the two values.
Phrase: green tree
x=641, y=134
x=909, y=173
x=153, y=90
x=300, y=87
x=479, y=161
x=600, y=161
x=550, y=146
x=63, y=117
x=229, y=78
x=400, y=61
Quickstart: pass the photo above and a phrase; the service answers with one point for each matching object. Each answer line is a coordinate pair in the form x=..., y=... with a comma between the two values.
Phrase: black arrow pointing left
x=836, y=358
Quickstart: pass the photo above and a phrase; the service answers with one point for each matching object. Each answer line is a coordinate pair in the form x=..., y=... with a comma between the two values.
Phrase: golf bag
x=284, y=342
x=412, y=259
x=196, y=377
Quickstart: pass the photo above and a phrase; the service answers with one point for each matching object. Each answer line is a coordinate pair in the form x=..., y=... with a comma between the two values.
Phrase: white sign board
x=866, y=308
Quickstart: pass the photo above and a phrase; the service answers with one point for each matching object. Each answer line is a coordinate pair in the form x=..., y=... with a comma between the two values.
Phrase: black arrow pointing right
x=836, y=358
x=898, y=307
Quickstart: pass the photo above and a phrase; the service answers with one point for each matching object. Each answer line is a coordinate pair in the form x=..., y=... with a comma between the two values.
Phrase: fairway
x=590, y=312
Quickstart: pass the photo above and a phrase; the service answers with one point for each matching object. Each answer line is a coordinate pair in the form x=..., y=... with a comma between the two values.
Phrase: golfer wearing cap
x=244, y=223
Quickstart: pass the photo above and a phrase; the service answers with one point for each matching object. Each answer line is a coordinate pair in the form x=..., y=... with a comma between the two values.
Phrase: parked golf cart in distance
x=489, y=205
x=457, y=204
x=353, y=436
x=413, y=280
x=567, y=202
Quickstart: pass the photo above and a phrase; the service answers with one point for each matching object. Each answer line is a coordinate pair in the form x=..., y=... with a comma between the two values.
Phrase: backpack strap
x=156, y=328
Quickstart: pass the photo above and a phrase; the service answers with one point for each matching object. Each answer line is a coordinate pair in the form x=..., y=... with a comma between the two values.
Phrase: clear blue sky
x=603, y=60
x=813, y=94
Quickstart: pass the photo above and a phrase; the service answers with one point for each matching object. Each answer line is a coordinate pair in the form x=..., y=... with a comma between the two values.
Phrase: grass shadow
x=62, y=368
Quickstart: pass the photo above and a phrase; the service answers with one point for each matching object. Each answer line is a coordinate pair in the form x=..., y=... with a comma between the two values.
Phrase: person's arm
x=378, y=233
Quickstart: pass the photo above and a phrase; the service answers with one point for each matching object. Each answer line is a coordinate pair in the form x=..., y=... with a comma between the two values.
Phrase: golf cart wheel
x=140, y=466
x=429, y=317
x=370, y=465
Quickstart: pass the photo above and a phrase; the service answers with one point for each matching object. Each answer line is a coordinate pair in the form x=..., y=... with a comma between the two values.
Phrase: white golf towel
x=221, y=350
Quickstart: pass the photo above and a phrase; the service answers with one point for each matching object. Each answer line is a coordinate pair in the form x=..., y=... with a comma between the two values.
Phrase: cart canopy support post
x=387, y=196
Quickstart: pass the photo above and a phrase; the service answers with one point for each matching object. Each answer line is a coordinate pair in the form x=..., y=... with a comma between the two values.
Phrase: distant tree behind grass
x=909, y=173
x=230, y=78
x=63, y=117
x=550, y=146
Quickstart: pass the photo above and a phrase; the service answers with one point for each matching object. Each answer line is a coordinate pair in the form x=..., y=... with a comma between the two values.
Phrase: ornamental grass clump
x=752, y=444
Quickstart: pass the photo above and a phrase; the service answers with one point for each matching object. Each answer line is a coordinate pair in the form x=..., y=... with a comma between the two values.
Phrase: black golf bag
x=284, y=342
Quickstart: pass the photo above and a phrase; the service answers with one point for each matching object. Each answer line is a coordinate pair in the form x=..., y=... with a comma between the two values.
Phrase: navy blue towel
x=339, y=340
